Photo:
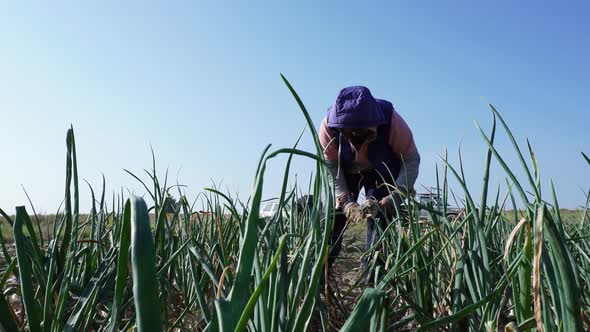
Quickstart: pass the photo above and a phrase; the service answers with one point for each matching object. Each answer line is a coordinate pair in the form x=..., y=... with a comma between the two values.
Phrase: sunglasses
x=357, y=132
x=358, y=135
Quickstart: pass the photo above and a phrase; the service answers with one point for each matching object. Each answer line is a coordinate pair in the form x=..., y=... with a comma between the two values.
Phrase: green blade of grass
x=145, y=285
x=24, y=267
x=252, y=300
x=585, y=157
x=365, y=314
x=122, y=268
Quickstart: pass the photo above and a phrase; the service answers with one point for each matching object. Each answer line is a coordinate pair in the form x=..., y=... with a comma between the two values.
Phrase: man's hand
x=353, y=212
x=391, y=204
x=371, y=207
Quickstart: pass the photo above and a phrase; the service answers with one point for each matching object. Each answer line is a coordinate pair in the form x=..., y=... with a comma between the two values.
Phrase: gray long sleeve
x=409, y=169
x=341, y=187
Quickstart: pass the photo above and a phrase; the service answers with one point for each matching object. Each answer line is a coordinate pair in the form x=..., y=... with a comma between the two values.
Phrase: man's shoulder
x=324, y=127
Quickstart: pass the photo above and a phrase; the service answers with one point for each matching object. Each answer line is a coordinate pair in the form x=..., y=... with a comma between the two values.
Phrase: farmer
x=368, y=145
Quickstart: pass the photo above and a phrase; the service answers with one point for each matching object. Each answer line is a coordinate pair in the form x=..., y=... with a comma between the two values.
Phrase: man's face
x=359, y=136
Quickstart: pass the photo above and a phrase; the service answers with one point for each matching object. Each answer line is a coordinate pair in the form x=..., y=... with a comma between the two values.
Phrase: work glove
x=391, y=204
x=353, y=212
x=371, y=207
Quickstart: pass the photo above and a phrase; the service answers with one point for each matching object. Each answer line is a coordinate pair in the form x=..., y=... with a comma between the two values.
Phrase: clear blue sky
x=200, y=82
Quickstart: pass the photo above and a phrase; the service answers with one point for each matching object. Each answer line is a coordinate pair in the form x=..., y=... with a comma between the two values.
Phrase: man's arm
x=328, y=143
x=402, y=144
x=408, y=171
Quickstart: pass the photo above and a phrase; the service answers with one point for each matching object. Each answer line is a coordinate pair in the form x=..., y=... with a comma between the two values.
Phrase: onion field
x=510, y=262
